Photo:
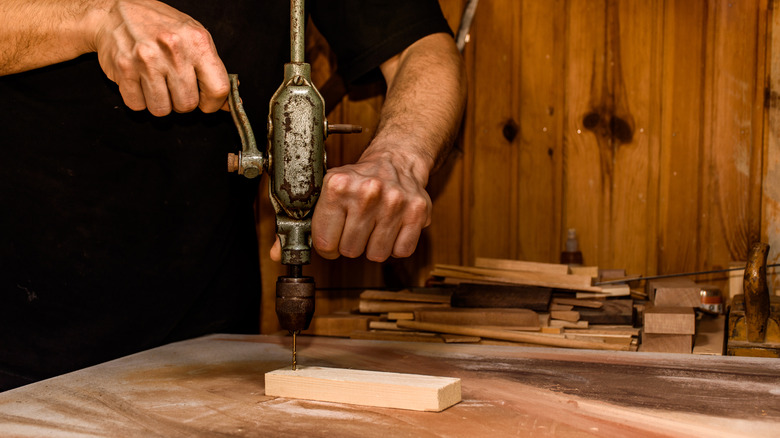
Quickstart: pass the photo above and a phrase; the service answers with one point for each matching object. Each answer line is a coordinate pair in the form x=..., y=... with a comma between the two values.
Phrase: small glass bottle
x=572, y=255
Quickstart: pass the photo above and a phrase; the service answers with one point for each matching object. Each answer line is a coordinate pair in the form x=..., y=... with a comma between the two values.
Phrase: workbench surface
x=213, y=386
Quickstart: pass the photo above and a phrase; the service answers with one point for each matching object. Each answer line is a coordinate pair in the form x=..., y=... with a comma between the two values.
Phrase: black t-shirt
x=122, y=231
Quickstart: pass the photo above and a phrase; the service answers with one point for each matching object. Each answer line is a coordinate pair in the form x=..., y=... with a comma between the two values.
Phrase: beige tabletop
x=213, y=386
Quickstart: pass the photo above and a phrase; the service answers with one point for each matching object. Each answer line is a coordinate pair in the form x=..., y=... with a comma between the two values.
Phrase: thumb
x=276, y=251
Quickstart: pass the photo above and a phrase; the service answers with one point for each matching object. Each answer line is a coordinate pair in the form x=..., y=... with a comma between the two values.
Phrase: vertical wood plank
x=681, y=136
x=587, y=93
x=770, y=202
x=728, y=144
x=540, y=112
x=493, y=158
x=633, y=55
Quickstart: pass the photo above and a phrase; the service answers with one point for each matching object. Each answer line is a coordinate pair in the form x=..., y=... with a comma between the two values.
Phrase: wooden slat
x=498, y=317
x=376, y=306
x=507, y=335
x=367, y=388
x=573, y=282
x=521, y=265
x=406, y=296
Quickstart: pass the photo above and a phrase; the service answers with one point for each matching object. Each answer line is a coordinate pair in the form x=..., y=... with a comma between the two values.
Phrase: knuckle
x=146, y=53
x=418, y=209
x=200, y=38
x=171, y=40
x=338, y=183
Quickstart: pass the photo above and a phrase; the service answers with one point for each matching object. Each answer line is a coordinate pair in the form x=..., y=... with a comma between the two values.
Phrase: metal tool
x=754, y=316
x=295, y=162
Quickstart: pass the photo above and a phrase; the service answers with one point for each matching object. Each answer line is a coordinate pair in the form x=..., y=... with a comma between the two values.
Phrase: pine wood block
x=367, y=388
x=521, y=265
x=670, y=320
x=662, y=343
x=568, y=324
x=674, y=292
x=396, y=335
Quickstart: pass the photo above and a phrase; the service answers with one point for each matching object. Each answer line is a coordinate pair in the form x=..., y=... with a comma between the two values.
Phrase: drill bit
x=294, y=352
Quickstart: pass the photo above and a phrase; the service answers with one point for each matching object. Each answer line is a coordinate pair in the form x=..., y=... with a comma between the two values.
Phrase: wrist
x=92, y=23
x=416, y=163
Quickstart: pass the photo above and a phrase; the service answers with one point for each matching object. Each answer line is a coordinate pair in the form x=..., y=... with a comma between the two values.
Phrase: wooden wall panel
x=493, y=152
x=640, y=123
x=682, y=109
x=587, y=153
x=770, y=201
x=540, y=112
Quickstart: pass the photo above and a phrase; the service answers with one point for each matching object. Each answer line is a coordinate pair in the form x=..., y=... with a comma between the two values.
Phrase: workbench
x=213, y=386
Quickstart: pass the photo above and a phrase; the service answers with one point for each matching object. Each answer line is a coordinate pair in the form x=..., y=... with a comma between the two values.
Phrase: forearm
x=37, y=33
x=424, y=105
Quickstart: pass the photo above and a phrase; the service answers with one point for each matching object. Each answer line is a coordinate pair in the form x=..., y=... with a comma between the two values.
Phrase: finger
x=382, y=241
x=327, y=226
x=158, y=99
x=406, y=242
x=357, y=229
x=183, y=87
x=276, y=251
x=213, y=85
x=132, y=94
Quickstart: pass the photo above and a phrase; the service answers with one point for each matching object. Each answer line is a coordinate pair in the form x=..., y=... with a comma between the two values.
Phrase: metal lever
x=250, y=162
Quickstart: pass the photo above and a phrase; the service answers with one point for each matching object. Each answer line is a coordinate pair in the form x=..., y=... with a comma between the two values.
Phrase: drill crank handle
x=250, y=162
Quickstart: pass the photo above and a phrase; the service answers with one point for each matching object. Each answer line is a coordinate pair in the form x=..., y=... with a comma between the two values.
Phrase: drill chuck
x=295, y=302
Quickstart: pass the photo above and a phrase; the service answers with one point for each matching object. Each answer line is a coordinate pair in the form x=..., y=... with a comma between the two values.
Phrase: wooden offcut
x=498, y=317
x=542, y=279
x=340, y=325
x=670, y=320
x=367, y=388
x=501, y=296
x=619, y=312
x=379, y=306
x=662, y=343
x=674, y=292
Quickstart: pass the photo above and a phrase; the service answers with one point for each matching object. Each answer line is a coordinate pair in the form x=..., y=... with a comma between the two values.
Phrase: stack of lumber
x=515, y=272
x=514, y=310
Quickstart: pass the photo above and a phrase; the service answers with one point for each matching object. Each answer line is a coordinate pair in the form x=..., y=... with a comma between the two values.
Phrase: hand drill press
x=295, y=161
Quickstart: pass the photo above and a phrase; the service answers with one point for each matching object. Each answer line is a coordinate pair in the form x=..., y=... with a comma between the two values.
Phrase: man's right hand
x=161, y=58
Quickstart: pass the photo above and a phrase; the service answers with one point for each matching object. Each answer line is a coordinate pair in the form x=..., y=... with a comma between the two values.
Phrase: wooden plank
x=579, y=303
x=374, y=306
x=507, y=335
x=396, y=335
x=521, y=265
x=670, y=320
x=501, y=296
x=663, y=343
x=366, y=388
x=499, y=317
x=394, y=316
x=571, y=315
x=573, y=282
x=590, y=271
x=460, y=339
x=710, y=335
x=443, y=298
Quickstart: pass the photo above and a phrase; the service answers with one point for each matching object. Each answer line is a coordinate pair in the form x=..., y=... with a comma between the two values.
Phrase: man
x=122, y=229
